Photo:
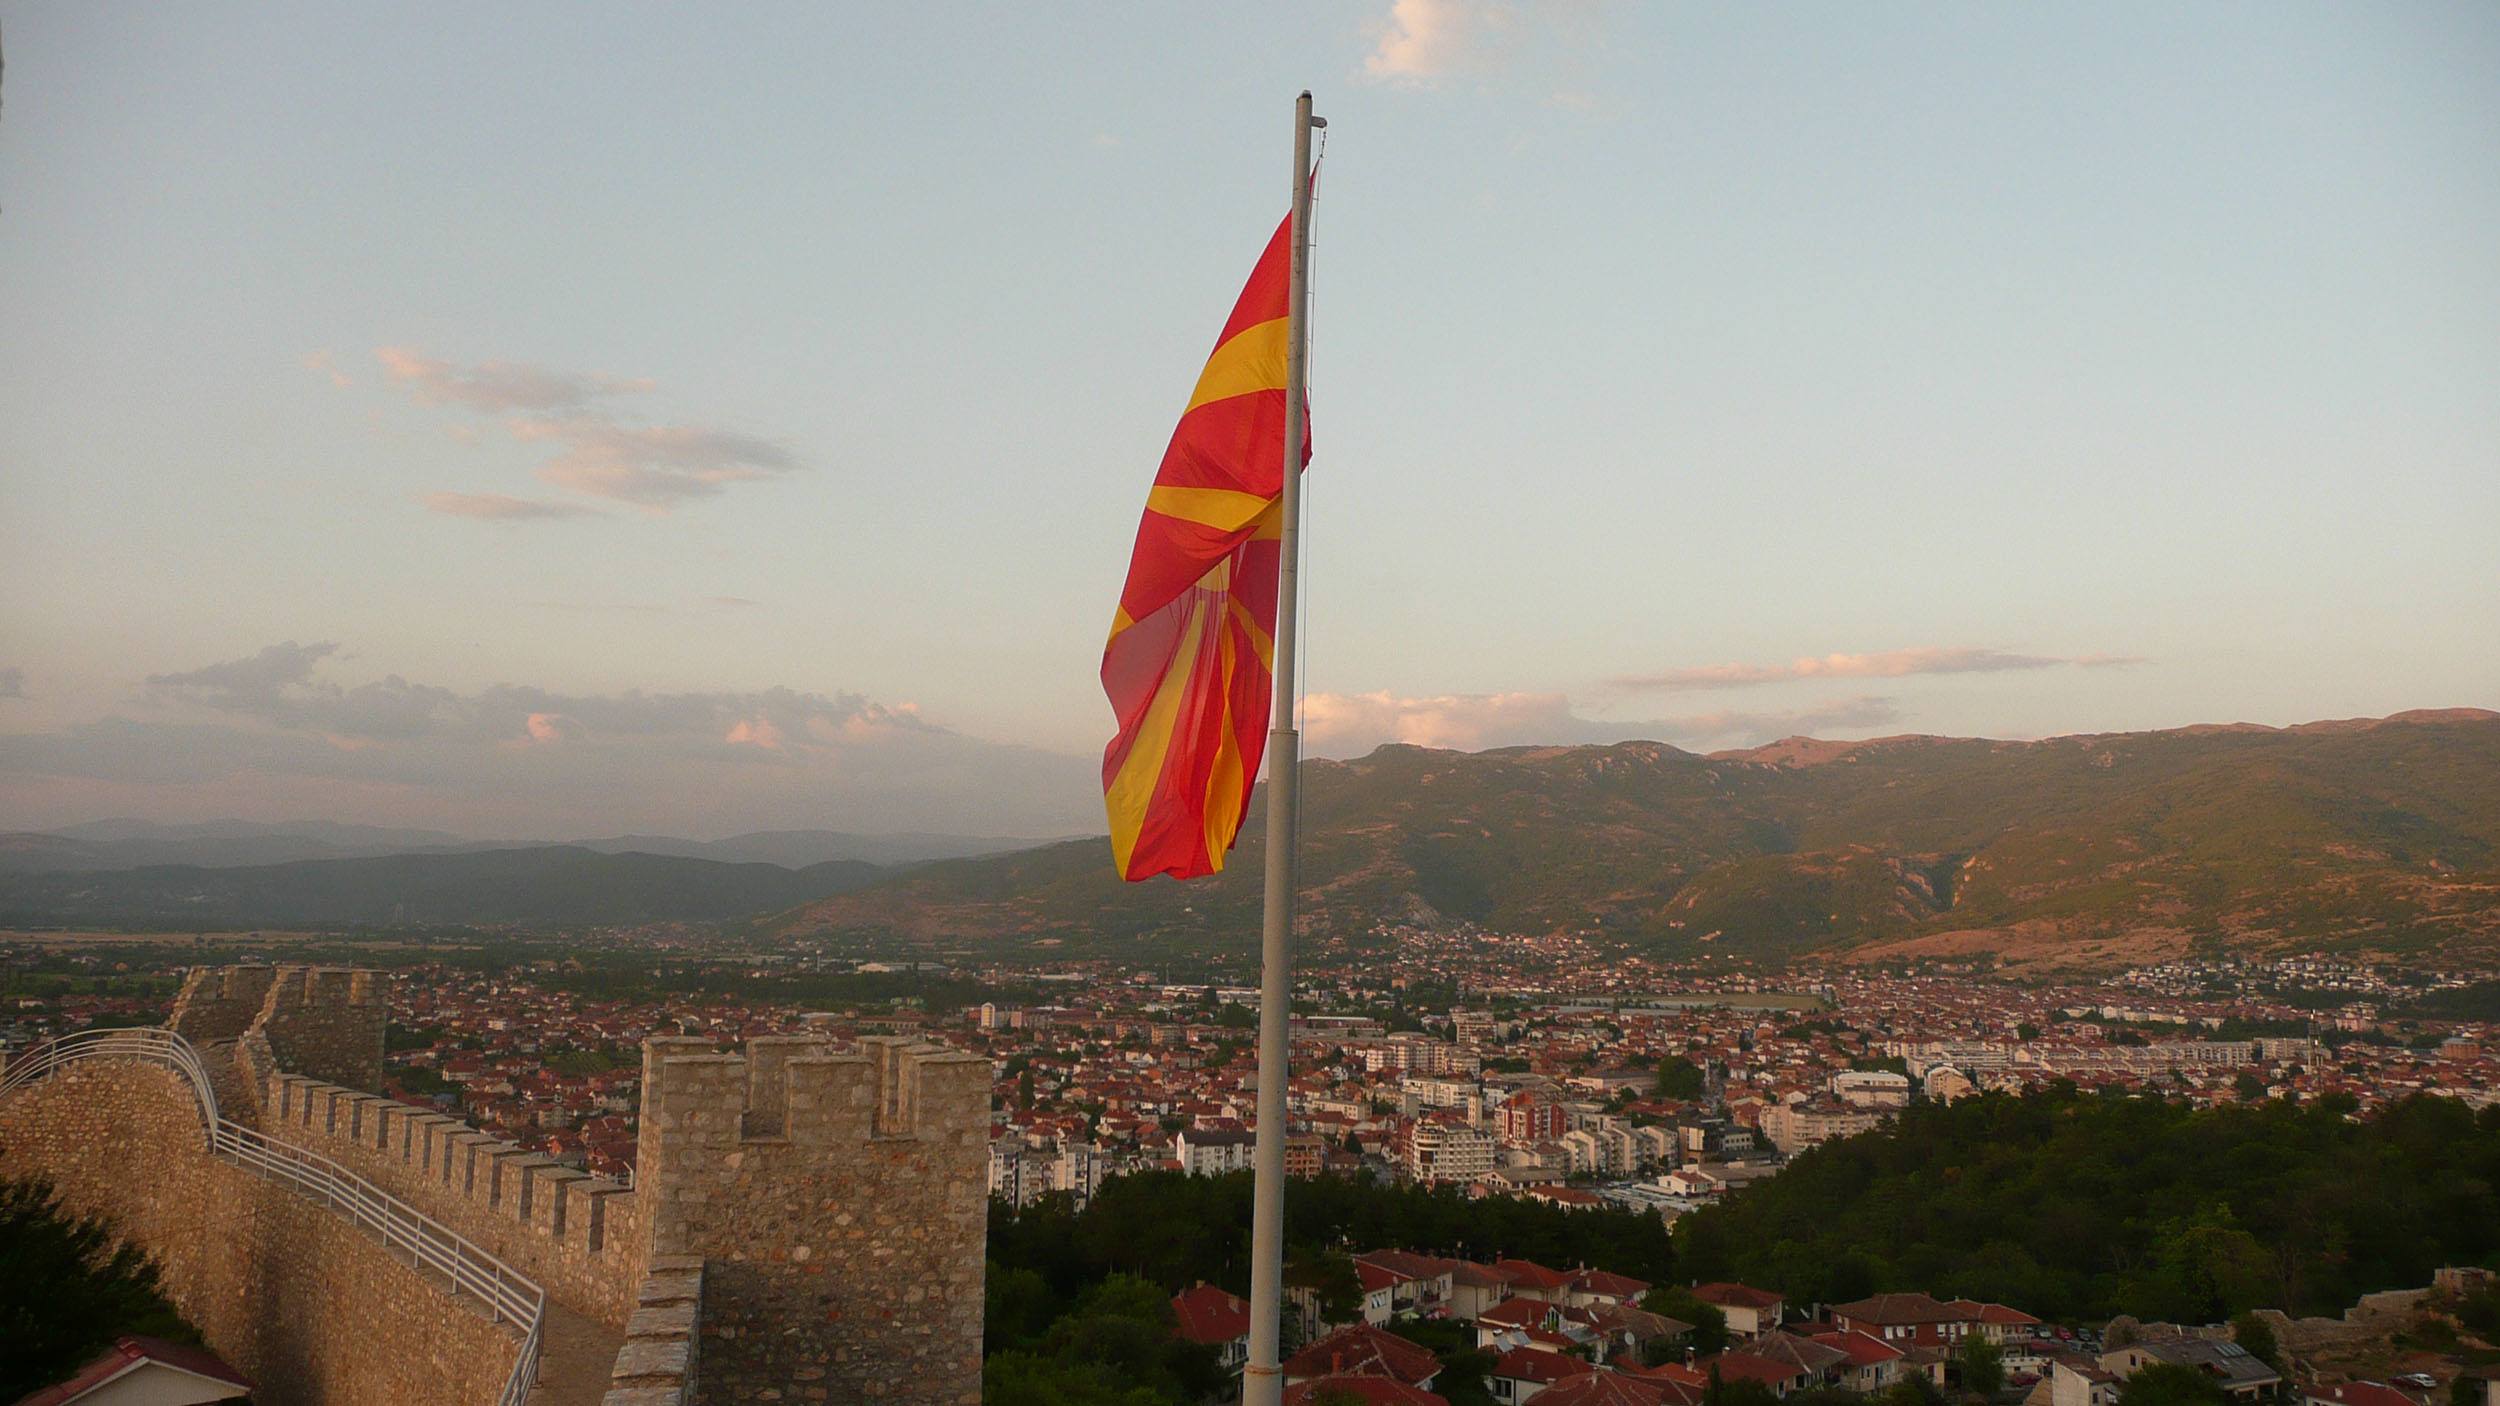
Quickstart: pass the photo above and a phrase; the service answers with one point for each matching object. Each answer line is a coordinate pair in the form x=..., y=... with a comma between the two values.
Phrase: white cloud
x=271, y=733
x=1342, y=724
x=1889, y=664
x=1544, y=43
x=1422, y=40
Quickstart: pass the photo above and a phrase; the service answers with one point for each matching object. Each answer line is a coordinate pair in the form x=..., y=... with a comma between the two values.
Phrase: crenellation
x=804, y=1210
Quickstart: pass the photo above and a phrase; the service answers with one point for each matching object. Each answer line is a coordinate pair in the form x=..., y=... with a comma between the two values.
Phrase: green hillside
x=2369, y=834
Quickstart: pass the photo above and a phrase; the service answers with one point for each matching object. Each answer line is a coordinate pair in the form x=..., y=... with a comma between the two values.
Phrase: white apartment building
x=1438, y=1152
x=1209, y=1152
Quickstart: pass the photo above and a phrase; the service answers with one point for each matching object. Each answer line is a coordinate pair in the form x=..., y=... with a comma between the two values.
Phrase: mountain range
x=2365, y=835
x=217, y=844
x=540, y=886
x=2368, y=835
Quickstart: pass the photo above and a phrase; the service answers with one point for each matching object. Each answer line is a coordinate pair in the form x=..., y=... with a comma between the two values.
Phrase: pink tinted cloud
x=499, y=386
x=1888, y=664
x=498, y=507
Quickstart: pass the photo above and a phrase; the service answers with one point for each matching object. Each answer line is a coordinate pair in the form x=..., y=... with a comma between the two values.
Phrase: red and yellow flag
x=1189, y=660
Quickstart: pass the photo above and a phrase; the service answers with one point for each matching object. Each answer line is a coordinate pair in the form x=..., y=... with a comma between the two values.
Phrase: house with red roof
x=1523, y=1373
x=1598, y=1286
x=2360, y=1394
x=1781, y=1374
x=1420, y=1283
x=1998, y=1323
x=1907, y=1320
x=1370, y=1391
x=1206, y=1314
x=1611, y=1389
x=1750, y=1312
x=1475, y=1288
x=1528, y=1279
x=1365, y=1351
x=1873, y=1364
x=147, y=1370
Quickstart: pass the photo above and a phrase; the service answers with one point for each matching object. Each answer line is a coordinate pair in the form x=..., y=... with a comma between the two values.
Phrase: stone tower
x=839, y=1199
x=321, y=1022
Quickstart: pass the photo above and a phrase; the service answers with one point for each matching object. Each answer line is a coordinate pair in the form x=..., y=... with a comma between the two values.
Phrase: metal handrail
x=508, y=1295
x=147, y=1044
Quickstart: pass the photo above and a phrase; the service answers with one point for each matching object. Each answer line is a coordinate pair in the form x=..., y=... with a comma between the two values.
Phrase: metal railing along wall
x=509, y=1296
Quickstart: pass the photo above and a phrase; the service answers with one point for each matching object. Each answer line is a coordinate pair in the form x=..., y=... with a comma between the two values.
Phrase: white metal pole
x=1262, y=1380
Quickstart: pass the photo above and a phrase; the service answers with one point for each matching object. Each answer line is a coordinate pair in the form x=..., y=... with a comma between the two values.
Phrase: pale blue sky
x=1650, y=340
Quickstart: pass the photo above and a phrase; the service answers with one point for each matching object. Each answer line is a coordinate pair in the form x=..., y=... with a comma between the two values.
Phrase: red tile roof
x=1528, y=1274
x=1610, y=1389
x=1364, y=1350
x=1372, y=1391
x=1902, y=1310
x=1599, y=1281
x=1534, y=1364
x=1744, y=1366
x=130, y=1353
x=1736, y=1296
x=1864, y=1349
x=1209, y=1315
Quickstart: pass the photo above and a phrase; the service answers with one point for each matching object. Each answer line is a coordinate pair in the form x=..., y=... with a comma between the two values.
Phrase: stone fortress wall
x=809, y=1218
x=307, y=1305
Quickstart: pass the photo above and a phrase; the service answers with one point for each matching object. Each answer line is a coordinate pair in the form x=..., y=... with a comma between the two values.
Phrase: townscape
x=1545, y=1069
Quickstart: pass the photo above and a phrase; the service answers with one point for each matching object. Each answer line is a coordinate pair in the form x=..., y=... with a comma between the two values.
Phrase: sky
x=557, y=420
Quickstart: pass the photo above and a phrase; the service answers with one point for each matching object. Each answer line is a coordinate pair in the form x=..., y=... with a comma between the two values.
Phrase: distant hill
x=217, y=844
x=2089, y=850
x=547, y=885
x=126, y=844
x=796, y=849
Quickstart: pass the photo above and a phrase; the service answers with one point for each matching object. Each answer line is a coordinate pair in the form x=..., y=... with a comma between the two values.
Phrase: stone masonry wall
x=580, y=1237
x=219, y=1003
x=327, y=1023
x=840, y=1201
x=312, y=1308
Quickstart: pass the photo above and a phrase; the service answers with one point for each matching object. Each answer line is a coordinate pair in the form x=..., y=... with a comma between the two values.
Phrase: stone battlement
x=804, y=1090
x=323, y=1021
x=578, y=1235
x=808, y=1217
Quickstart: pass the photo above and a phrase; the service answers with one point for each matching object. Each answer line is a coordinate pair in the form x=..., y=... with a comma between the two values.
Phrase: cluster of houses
x=1581, y=1338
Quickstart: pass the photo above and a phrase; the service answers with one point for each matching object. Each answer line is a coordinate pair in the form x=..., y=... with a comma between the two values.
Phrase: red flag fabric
x=1188, y=667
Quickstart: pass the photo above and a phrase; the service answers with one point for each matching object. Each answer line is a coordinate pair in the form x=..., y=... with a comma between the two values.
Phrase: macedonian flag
x=1189, y=660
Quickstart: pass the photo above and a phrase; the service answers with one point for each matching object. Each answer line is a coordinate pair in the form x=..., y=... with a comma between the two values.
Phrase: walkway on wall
x=575, y=1357
x=412, y=1236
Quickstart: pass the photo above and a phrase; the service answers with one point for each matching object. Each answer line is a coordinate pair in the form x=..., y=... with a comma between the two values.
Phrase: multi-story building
x=1443, y=1152
x=1872, y=1088
x=1209, y=1152
x=1794, y=1127
x=1415, y=1096
x=1526, y=1118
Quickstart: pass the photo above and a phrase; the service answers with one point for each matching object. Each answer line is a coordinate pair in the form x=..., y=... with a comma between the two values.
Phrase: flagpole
x=1262, y=1379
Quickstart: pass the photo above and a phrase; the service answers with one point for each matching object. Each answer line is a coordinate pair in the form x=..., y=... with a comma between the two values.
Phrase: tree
x=1914, y=1389
x=2170, y=1384
x=70, y=1289
x=1681, y=1079
x=2255, y=1334
x=1709, y=1335
x=1982, y=1363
